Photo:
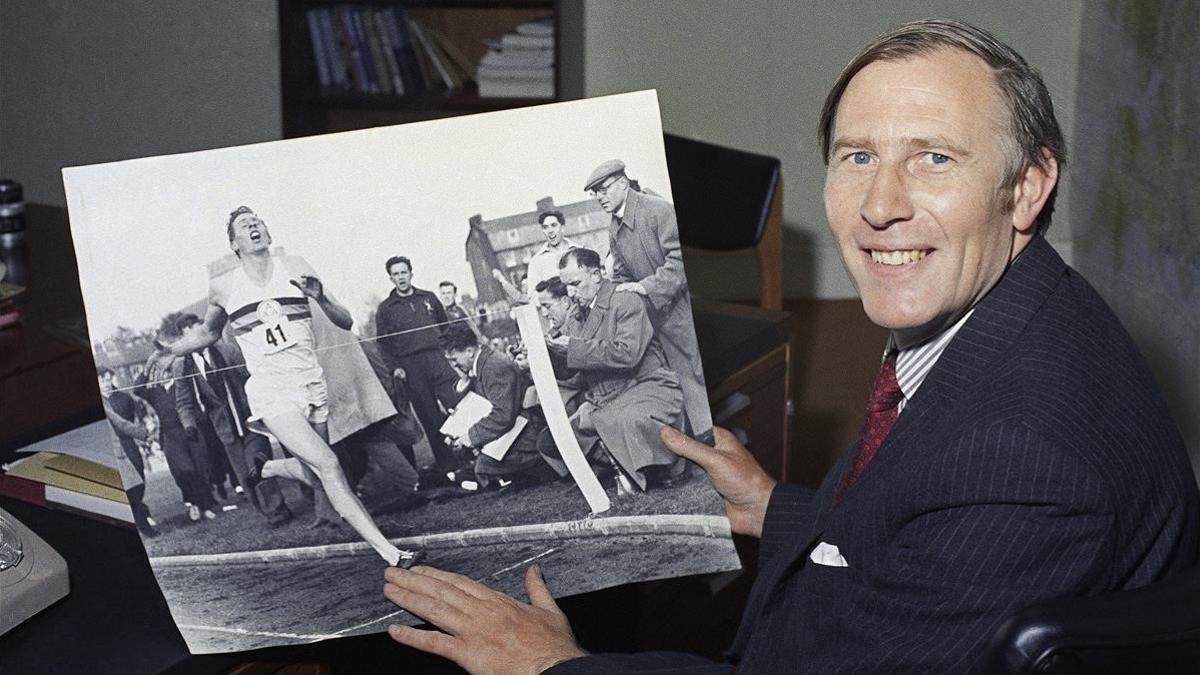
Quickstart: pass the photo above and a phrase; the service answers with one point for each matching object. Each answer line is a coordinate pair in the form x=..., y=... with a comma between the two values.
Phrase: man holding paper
x=506, y=435
x=1016, y=449
x=629, y=390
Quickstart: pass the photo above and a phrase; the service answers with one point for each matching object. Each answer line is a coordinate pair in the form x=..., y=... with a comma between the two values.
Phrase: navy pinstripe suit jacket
x=1036, y=461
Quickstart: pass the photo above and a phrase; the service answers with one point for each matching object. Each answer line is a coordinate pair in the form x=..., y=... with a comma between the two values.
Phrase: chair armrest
x=1150, y=629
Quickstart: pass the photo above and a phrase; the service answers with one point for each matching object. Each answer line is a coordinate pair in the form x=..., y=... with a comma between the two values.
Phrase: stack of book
x=519, y=64
x=76, y=471
x=382, y=51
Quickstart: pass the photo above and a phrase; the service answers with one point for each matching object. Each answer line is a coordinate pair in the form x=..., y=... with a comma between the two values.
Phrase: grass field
x=236, y=606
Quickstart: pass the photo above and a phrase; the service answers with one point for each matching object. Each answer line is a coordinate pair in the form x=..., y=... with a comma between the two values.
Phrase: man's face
x=582, y=283
x=189, y=331
x=552, y=229
x=401, y=276
x=912, y=192
x=556, y=310
x=446, y=295
x=611, y=193
x=462, y=359
x=250, y=234
x=108, y=382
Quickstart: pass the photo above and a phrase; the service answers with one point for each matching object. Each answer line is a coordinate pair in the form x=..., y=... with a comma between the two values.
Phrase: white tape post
x=555, y=411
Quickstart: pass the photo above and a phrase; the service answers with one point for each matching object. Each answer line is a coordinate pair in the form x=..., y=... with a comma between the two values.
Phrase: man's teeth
x=896, y=257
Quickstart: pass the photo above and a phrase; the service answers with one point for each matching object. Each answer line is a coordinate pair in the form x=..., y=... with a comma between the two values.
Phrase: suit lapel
x=995, y=325
x=599, y=312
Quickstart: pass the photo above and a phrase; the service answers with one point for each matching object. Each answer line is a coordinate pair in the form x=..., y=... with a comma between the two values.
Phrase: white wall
x=1135, y=189
x=86, y=82
x=754, y=76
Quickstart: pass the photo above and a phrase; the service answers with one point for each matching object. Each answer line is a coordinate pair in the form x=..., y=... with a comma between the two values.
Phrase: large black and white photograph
x=451, y=343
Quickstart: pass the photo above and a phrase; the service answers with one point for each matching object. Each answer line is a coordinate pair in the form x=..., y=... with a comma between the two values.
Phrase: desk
x=115, y=619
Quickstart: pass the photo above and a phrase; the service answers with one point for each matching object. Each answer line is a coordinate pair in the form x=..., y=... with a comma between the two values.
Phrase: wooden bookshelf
x=309, y=108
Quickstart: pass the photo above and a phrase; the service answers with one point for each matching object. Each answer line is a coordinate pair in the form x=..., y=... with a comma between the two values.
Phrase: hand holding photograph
x=451, y=343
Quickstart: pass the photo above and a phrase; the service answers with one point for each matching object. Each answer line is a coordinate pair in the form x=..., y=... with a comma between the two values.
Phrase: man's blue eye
x=938, y=158
x=860, y=158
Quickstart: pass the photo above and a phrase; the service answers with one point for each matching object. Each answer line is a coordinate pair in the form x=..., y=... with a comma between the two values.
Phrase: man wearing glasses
x=643, y=240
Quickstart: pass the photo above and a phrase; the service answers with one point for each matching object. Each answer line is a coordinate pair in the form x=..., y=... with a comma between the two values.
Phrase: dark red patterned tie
x=881, y=415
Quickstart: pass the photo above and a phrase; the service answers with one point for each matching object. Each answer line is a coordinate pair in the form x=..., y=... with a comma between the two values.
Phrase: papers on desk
x=75, y=470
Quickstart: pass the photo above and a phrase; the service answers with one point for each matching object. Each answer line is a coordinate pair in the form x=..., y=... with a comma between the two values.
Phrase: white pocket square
x=828, y=555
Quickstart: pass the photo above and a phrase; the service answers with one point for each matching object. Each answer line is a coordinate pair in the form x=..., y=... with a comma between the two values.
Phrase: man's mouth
x=898, y=257
x=255, y=236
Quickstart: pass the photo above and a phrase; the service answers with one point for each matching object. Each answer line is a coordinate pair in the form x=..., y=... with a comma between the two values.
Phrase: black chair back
x=722, y=196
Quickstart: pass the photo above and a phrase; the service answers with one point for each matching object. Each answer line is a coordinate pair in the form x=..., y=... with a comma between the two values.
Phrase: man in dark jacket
x=497, y=379
x=121, y=410
x=409, y=324
x=211, y=401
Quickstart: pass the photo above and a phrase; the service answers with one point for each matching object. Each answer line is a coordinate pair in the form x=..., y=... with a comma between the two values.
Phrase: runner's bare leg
x=307, y=444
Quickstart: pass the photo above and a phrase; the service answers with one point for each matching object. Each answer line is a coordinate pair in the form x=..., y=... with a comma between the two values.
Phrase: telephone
x=33, y=576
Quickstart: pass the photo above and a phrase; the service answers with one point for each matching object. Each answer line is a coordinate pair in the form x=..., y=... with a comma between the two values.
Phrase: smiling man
x=1015, y=448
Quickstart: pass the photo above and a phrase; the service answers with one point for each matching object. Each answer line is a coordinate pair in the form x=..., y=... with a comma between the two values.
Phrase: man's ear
x=1029, y=195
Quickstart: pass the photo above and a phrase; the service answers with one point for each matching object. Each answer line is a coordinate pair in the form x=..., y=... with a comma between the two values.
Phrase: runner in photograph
x=266, y=302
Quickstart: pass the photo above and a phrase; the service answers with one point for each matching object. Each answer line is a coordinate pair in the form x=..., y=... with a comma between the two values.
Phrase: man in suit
x=211, y=401
x=629, y=392
x=121, y=409
x=495, y=377
x=643, y=239
x=1016, y=448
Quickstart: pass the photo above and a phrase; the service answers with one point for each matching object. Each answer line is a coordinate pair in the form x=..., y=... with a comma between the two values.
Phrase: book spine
x=517, y=41
x=351, y=50
x=389, y=52
x=337, y=65
x=452, y=52
x=24, y=489
x=410, y=66
x=382, y=78
x=431, y=53
x=364, y=50
x=318, y=47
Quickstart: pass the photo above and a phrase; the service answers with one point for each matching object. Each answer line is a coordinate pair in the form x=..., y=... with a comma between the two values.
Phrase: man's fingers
x=537, y=590
x=460, y=583
x=432, y=641
x=430, y=603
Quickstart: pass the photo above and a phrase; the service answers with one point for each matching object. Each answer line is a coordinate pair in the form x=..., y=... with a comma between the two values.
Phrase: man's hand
x=558, y=343
x=742, y=483
x=632, y=287
x=310, y=286
x=521, y=358
x=484, y=631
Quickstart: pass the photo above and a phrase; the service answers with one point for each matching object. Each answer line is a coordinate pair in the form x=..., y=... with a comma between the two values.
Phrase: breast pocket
x=830, y=580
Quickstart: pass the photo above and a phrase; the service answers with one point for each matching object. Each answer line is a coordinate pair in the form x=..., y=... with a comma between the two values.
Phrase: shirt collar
x=914, y=363
x=564, y=246
x=475, y=364
x=620, y=212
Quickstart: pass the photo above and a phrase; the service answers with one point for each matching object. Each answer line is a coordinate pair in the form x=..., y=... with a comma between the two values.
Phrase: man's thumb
x=535, y=587
x=680, y=444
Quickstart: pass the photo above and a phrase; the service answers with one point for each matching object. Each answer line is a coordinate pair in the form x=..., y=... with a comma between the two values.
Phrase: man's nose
x=887, y=200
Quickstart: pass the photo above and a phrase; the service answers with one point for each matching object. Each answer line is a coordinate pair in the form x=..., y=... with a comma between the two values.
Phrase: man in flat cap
x=643, y=239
